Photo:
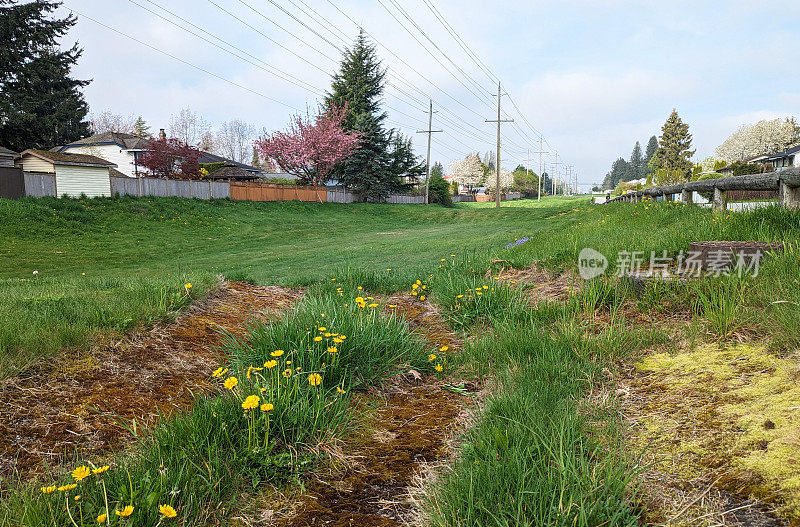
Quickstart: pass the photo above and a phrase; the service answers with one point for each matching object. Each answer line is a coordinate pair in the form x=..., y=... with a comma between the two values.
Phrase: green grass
x=208, y=459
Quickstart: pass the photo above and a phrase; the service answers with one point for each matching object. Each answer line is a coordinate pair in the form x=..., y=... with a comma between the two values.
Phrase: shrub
x=439, y=191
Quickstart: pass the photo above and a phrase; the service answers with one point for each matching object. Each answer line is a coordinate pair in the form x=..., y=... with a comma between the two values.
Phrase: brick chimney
x=162, y=134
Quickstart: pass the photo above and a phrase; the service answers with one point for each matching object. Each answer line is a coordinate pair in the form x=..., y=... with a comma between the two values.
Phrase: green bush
x=439, y=191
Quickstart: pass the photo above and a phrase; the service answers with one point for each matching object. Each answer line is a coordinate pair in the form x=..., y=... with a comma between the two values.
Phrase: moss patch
x=730, y=414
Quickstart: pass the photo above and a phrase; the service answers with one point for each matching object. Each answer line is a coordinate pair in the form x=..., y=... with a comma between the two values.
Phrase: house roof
x=231, y=172
x=208, y=157
x=785, y=153
x=5, y=152
x=62, y=158
x=126, y=141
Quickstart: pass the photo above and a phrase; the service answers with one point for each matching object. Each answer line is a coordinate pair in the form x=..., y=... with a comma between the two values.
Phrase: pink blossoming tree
x=312, y=147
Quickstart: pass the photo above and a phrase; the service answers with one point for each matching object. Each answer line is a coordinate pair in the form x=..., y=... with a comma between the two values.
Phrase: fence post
x=788, y=197
x=720, y=199
x=687, y=196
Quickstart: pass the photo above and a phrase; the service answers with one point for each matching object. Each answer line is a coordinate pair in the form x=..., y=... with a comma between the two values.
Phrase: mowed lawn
x=71, y=267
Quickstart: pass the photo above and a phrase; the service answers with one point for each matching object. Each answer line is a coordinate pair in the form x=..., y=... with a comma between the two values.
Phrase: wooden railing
x=786, y=182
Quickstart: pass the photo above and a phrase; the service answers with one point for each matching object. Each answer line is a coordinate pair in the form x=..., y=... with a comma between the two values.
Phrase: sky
x=591, y=77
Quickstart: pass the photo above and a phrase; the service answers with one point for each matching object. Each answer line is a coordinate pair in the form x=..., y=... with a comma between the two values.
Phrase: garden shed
x=73, y=174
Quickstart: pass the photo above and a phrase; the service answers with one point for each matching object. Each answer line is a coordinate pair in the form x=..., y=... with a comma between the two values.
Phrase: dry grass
x=88, y=402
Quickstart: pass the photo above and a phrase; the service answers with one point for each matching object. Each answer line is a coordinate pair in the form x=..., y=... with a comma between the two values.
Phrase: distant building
x=75, y=174
x=787, y=159
x=123, y=150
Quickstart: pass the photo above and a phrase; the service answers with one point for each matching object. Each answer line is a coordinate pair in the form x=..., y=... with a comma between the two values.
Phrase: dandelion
x=414, y=286
x=392, y=306
x=340, y=390
x=443, y=349
x=81, y=473
x=102, y=519
x=317, y=339
x=438, y=367
x=270, y=364
x=323, y=328
x=373, y=305
x=219, y=372
x=360, y=288
x=251, y=402
x=231, y=383
x=452, y=256
x=343, y=337
x=443, y=259
x=328, y=335
x=485, y=287
x=314, y=379
x=100, y=470
x=187, y=285
x=267, y=407
x=332, y=349
x=167, y=511
x=337, y=340
x=251, y=369
x=422, y=297
x=48, y=490
x=70, y=486
x=431, y=357
x=459, y=296
x=124, y=513
x=277, y=353
x=478, y=294
x=287, y=372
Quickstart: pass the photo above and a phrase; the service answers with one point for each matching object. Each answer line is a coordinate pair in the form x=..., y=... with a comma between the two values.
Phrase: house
x=123, y=150
x=7, y=157
x=209, y=158
x=787, y=159
x=728, y=170
x=230, y=172
x=74, y=174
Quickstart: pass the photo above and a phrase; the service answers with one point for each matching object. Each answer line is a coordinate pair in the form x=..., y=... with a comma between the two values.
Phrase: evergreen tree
x=672, y=158
x=652, y=146
x=636, y=166
x=439, y=190
x=40, y=104
x=619, y=169
x=141, y=129
x=385, y=161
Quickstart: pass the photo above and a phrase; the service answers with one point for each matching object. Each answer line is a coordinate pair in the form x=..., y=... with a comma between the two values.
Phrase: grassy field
x=544, y=450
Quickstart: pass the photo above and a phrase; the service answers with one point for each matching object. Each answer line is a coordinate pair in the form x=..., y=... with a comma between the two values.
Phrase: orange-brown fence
x=252, y=191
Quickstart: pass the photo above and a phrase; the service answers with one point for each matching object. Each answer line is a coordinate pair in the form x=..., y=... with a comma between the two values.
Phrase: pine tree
x=672, y=158
x=636, y=166
x=41, y=105
x=141, y=129
x=652, y=146
x=385, y=161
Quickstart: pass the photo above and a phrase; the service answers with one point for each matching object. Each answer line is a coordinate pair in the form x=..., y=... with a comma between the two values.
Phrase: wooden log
x=687, y=196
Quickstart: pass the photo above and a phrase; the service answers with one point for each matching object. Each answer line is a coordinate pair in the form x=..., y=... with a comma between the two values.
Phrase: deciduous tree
x=187, y=126
x=171, y=159
x=468, y=172
x=312, y=147
x=763, y=137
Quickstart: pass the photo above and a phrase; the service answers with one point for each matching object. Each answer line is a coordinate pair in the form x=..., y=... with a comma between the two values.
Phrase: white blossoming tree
x=468, y=171
x=506, y=181
x=763, y=137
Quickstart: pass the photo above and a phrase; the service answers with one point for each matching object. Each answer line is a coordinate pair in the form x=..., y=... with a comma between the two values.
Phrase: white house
x=123, y=150
x=74, y=174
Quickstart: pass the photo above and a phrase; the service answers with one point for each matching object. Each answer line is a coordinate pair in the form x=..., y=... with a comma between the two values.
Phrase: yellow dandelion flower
x=343, y=337
x=360, y=288
x=332, y=349
x=328, y=335
x=424, y=287
x=102, y=519
x=100, y=470
x=267, y=407
x=373, y=305
x=414, y=286
x=413, y=293
x=277, y=353
x=317, y=339
x=418, y=282
x=459, y=296
x=262, y=390
x=167, y=511
x=392, y=306
x=443, y=259
x=48, y=490
x=124, y=513
x=219, y=372
x=251, y=402
x=231, y=383
x=251, y=369
x=431, y=357
x=478, y=294
x=337, y=340
x=70, y=486
x=339, y=390
x=270, y=364
x=314, y=379
x=287, y=372
x=422, y=297
x=438, y=367
x=81, y=473
x=485, y=287
x=443, y=349
x=323, y=328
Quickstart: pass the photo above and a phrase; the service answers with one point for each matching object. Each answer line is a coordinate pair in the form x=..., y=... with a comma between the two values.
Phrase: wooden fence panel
x=40, y=185
x=12, y=183
x=255, y=191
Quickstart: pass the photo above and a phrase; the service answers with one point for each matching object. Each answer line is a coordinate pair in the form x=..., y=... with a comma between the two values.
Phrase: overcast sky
x=592, y=76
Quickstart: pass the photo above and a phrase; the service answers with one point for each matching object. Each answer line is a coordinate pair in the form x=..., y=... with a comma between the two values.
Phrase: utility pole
x=556, y=172
x=430, y=131
x=541, y=184
x=498, y=121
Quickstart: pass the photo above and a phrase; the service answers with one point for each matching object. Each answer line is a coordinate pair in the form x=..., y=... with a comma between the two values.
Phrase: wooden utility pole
x=498, y=121
x=430, y=131
x=541, y=184
x=556, y=173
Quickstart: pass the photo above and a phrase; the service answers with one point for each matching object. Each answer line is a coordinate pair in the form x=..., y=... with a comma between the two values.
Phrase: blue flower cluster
x=518, y=242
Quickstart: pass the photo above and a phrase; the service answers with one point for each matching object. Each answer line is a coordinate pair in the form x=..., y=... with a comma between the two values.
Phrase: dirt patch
x=83, y=402
x=541, y=284
x=408, y=430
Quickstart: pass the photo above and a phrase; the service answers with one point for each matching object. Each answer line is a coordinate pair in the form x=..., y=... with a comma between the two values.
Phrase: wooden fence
x=785, y=182
x=12, y=183
x=255, y=191
x=181, y=188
